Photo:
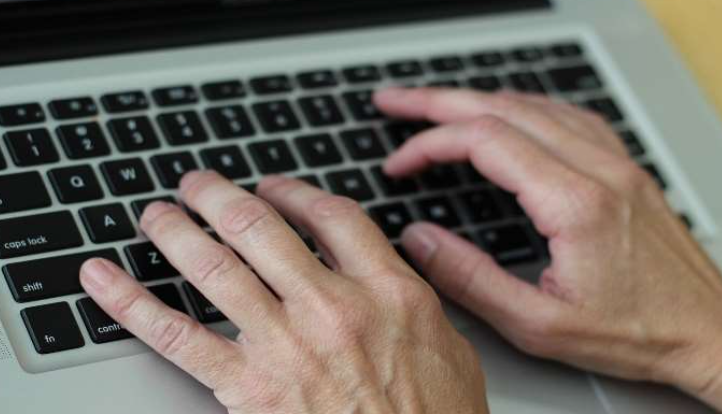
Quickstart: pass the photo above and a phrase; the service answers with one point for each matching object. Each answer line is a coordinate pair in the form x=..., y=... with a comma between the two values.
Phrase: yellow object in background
x=695, y=27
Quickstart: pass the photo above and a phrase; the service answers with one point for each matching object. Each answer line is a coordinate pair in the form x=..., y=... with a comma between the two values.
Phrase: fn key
x=52, y=328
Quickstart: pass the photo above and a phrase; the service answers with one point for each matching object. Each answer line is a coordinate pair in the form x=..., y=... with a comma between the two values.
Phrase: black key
x=250, y=187
x=317, y=79
x=485, y=83
x=488, y=59
x=75, y=184
x=401, y=131
x=363, y=144
x=23, y=114
x=405, y=69
x=101, y=327
x=633, y=144
x=605, y=107
x=362, y=74
x=394, y=186
x=576, y=78
x=361, y=105
x=52, y=277
x=450, y=83
x=22, y=236
x=311, y=179
x=170, y=168
x=527, y=54
x=169, y=295
x=23, y=191
x=566, y=50
x=31, y=147
x=138, y=206
x=321, y=110
x=126, y=177
x=440, y=177
x=350, y=183
x=481, y=206
x=318, y=150
x=218, y=91
x=230, y=122
x=107, y=223
x=148, y=262
x=445, y=64
x=120, y=102
x=268, y=85
x=82, y=107
x=439, y=210
x=392, y=218
x=471, y=174
x=182, y=128
x=80, y=141
x=175, y=95
x=656, y=174
x=3, y=164
x=273, y=157
x=276, y=116
x=509, y=244
x=511, y=204
x=133, y=134
x=205, y=311
x=687, y=221
x=227, y=161
x=526, y=82
x=52, y=328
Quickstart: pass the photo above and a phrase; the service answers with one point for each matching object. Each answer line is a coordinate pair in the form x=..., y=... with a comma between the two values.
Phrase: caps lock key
x=42, y=233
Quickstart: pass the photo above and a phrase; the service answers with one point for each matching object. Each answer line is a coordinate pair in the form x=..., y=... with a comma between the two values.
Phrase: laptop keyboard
x=318, y=125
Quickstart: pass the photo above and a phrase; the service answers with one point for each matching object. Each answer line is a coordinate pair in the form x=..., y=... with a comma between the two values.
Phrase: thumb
x=471, y=278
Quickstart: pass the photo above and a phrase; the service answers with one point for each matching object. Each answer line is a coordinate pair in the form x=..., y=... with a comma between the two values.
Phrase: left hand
x=368, y=337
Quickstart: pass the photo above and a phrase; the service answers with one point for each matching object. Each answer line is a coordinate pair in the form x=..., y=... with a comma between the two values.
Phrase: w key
x=127, y=177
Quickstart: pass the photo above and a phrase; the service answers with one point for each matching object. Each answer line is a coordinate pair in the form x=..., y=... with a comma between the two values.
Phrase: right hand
x=629, y=293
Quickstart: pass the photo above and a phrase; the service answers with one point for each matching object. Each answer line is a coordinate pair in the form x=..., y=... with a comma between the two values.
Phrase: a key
x=273, y=157
x=138, y=206
x=227, y=161
x=566, y=50
x=405, y=69
x=205, y=311
x=527, y=54
x=392, y=218
x=230, y=122
x=489, y=83
x=605, y=107
x=439, y=210
x=80, y=141
x=169, y=295
x=273, y=84
x=23, y=114
x=126, y=177
x=276, y=116
x=481, y=206
x=317, y=79
x=363, y=144
x=22, y=236
x=318, y=150
x=121, y=102
x=52, y=277
x=575, y=78
x=52, y=328
x=219, y=91
x=148, y=263
x=392, y=187
x=31, y=147
x=401, y=131
x=509, y=244
x=170, y=168
x=362, y=74
x=446, y=64
x=107, y=223
x=133, y=134
x=101, y=327
x=75, y=184
x=82, y=107
x=23, y=191
x=350, y=183
x=321, y=110
x=440, y=177
x=488, y=60
x=175, y=95
x=633, y=144
x=526, y=82
x=361, y=105
x=182, y=128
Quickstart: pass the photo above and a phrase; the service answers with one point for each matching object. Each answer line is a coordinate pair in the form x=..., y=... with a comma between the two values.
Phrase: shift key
x=28, y=235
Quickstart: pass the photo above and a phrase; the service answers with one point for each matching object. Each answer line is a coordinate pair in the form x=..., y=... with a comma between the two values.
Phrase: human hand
x=368, y=336
x=628, y=293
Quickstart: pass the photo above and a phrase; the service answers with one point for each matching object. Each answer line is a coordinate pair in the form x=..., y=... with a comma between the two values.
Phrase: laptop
x=105, y=104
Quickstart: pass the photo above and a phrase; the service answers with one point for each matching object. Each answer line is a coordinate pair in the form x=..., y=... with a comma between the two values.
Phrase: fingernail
x=154, y=210
x=419, y=243
x=96, y=275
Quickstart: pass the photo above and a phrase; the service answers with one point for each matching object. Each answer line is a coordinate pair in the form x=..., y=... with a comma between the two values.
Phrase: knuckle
x=125, y=305
x=170, y=335
x=240, y=215
x=164, y=223
x=411, y=294
x=336, y=206
x=592, y=201
x=213, y=264
x=343, y=322
x=487, y=126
